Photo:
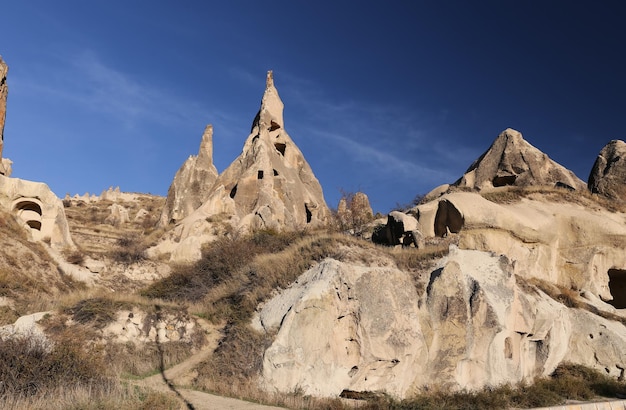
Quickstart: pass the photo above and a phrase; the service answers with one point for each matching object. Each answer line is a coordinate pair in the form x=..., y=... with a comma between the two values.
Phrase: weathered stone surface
x=472, y=323
x=119, y=215
x=269, y=186
x=4, y=90
x=561, y=242
x=192, y=183
x=512, y=161
x=39, y=208
x=608, y=175
x=354, y=212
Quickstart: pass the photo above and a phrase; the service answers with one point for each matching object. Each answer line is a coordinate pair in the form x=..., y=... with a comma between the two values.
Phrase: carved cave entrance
x=617, y=286
x=30, y=212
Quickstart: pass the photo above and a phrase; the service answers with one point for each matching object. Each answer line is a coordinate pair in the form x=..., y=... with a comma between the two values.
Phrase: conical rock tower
x=608, y=175
x=512, y=161
x=192, y=183
x=269, y=185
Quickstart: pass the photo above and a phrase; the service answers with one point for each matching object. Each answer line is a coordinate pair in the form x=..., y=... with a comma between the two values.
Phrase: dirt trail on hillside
x=183, y=373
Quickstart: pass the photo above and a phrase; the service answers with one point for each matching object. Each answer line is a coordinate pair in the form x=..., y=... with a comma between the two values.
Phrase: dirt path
x=183, y=373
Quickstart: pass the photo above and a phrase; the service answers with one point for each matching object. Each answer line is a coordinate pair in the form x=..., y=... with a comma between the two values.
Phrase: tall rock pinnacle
x=4, y=90
x=270, y=185
x=192, y=183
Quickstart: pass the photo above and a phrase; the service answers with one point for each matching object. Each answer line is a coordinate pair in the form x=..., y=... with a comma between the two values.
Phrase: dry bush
x=130, y=249
x=98, y=312
x=30, y=365
x=74, y=256
x=353, y=213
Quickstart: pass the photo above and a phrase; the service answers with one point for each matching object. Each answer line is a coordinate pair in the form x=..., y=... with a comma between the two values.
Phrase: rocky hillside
x=504, y=276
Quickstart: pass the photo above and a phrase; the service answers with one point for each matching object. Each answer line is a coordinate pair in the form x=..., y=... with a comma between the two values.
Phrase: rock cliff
x=608, y=175
x=512, y=161
x=192, y=183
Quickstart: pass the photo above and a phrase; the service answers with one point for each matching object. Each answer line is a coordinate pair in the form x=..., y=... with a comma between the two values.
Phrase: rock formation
x=401, y=229
x=4, y=90
x=354, y=212
x=40, y=210
x=512, y=161
x=470, y=322
x=269, y=186
x=192, y=183
x=608, y=175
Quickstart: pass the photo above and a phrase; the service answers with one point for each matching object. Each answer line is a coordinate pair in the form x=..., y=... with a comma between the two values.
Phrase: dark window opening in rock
x=309, y=215
x=34, y=225
x=28, y=206
x=563, y=185
x=274, y=126
x=448, y=219
x=617, y=287
x=280, y=147
x=508, y=348
x=504, y=180
x=275, y=173
x=233, y=192
x=259, y=175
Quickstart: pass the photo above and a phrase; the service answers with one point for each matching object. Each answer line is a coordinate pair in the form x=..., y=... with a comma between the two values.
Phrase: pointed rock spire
x=192, y=182
x=512, y=161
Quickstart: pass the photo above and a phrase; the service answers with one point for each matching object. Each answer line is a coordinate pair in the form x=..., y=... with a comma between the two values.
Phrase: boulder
x=608, y=175
x=192, y=183
x=401, y=229
x=512, y=161
x=4, y=90
x=119, y=215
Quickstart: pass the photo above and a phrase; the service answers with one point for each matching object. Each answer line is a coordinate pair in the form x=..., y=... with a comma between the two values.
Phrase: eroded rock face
x=269, y=186
x=608, y=175
x=470, y=323
x=512, y=161
x=192, y=183
x=561, y=242
x=40, y=210
x=4, y=90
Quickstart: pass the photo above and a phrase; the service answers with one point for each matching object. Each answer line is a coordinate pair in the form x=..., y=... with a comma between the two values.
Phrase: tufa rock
x=192, y=183
x=4, y=90
x=354, y=212
x=471, y=323
x=269, y=186
x=608, y=175
x=512, y=161
x=39, y=209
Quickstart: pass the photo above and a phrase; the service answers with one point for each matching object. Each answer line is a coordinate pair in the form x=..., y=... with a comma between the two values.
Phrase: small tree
x=354, y=212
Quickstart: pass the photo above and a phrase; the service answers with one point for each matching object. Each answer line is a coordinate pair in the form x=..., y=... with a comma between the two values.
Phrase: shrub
x=96, y=311
x=130, y=249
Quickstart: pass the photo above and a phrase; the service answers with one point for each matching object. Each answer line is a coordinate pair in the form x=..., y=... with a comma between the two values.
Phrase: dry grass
x=585, y=198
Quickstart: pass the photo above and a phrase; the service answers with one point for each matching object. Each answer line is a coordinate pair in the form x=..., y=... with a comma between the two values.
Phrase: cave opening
x=233, y=192
x=617, y=287
x=259, y=174
x=504, y=180
x=280, y=147
x=309, y=215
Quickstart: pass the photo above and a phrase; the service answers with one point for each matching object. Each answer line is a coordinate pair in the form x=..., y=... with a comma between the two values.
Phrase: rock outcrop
x=401, y=229
x=39, y=209
x=512, y=161
x=4, y=90
x=564, y=243
x=608, y=175
x=269, y=186
x=192, y=183
x=470, y=322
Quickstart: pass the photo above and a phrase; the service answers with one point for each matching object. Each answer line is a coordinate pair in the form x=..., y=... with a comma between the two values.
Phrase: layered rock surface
x=512, y=161
x=192, y=183
x=470, y=322
x=608, y=175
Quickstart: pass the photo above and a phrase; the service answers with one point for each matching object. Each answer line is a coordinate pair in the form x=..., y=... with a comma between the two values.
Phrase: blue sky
x=389, y=98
